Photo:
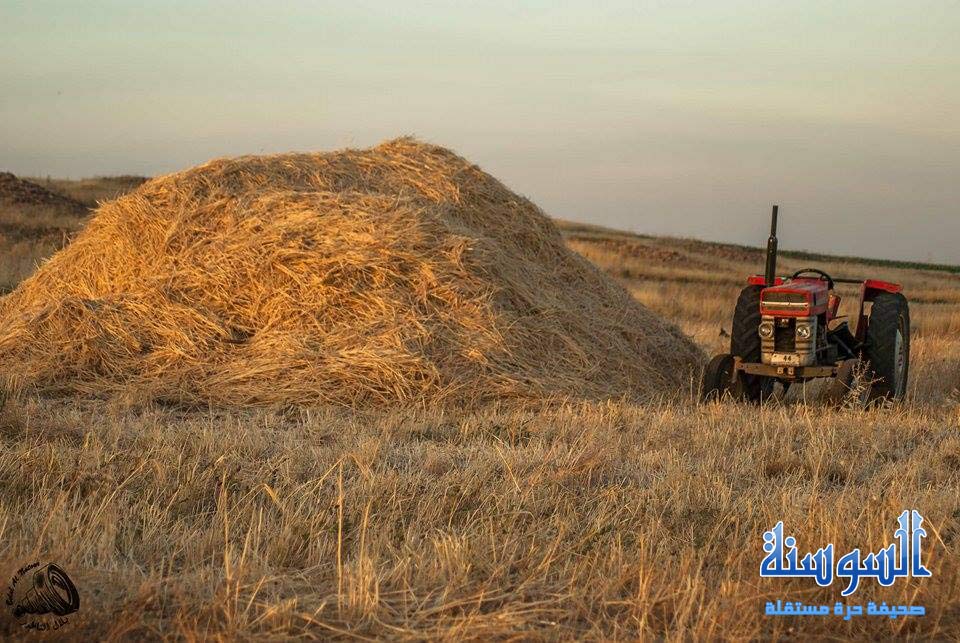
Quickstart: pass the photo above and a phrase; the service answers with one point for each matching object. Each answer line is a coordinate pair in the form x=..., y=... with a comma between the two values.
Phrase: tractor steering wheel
x=823, y=276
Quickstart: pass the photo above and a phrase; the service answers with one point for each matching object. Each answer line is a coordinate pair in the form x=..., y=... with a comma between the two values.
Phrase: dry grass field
x=571, y=519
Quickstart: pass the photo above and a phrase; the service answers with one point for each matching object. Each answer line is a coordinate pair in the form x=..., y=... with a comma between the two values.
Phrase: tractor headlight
x=803, y=332
x=766, y=329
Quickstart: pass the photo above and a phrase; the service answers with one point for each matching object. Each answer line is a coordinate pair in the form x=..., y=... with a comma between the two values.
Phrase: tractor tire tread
x=881, y=343
x=745, y=343
x=744, y=338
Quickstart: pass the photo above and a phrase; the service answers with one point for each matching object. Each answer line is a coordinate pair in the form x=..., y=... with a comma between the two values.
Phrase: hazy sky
x=683, y=118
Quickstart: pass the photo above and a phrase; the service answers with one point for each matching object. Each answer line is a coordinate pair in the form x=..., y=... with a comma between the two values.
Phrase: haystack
x=397, y=274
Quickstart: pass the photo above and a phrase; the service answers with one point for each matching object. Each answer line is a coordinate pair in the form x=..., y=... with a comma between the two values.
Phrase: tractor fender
x=868, y=293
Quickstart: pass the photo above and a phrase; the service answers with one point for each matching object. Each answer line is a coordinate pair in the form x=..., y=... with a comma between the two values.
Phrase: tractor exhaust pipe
x=770, y=276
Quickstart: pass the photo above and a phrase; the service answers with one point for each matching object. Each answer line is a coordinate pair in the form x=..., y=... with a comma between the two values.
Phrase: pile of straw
x=400, y=273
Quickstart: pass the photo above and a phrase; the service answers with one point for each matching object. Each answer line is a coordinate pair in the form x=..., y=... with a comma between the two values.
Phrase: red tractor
x=787, y=330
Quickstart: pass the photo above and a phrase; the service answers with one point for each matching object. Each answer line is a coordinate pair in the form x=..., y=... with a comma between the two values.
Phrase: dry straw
x=398, y=274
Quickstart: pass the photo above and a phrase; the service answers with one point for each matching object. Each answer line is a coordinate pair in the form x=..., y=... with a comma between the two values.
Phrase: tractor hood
x=795, y=298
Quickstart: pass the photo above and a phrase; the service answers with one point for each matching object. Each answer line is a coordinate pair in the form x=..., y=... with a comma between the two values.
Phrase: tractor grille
x=785, y=338
x=784, y=297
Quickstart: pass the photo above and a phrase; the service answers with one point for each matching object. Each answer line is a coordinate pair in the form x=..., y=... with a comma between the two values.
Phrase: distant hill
x=589, y=233
x=68, y=201
x=15, y=191
x=93, y=190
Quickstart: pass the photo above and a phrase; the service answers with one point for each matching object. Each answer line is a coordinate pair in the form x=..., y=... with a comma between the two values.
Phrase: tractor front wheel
x=888, y=347
x=718, y=379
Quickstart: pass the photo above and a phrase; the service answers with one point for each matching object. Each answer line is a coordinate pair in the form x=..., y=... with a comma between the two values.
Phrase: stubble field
x=571, y=518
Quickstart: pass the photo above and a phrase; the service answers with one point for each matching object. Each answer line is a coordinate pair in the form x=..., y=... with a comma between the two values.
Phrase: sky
x=667, y=117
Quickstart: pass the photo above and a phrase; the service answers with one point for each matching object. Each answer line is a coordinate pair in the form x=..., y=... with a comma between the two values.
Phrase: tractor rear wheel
x=745, y=343
x=888, y=347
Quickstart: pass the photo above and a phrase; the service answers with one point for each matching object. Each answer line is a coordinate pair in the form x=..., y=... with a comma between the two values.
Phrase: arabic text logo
x=901, y=559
